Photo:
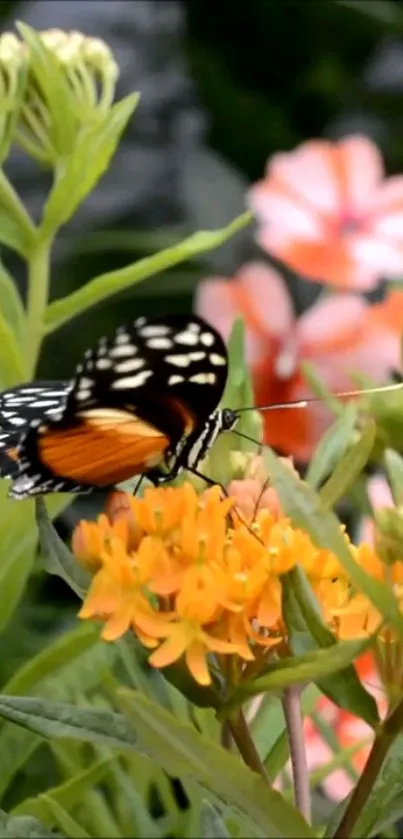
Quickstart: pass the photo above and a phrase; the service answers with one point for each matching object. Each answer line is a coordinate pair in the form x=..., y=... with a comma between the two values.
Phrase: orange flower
x=200, y=582
x=326, y=210
x=338, y=336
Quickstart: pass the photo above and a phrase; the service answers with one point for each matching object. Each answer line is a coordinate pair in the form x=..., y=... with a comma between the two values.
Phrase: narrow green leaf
x=57, y=719
x=332, y=447
x=309, y=667
x=14, y=572
x=211, y=823
x=307, y=631
x=113, y=282
x=85, y=165
x=79, y=669
x=53, y=658
x=61, y=818
x=58, y=559
x=11, y=303
x=10, y=123
x=171, y=742
x=67, y=795
x=394, y=470
x=12, y=368
x=25, y=827
x=16, y=228
x=320, y=390
x=350, y=467
x=307, y=511
x=54, y=88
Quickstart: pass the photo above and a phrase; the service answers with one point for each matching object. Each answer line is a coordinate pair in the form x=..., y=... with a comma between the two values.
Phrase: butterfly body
x=142, y=402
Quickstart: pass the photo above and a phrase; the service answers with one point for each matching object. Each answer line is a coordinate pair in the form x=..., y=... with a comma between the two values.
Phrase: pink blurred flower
x=339, y=335
x=327, y=211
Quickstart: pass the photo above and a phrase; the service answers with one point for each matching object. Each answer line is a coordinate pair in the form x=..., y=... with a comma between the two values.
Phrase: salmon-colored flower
x=326, y=210
x=338, y=336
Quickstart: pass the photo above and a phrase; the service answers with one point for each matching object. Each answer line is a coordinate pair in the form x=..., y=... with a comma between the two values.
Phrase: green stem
x=295, y=730
x=244, y=742
x=388, y=732
x=38, y=292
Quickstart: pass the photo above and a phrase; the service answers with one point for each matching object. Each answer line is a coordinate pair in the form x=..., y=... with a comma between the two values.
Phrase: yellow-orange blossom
x=189, y=576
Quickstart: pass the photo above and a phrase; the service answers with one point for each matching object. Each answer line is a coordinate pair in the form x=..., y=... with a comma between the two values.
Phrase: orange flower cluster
x=191, y=577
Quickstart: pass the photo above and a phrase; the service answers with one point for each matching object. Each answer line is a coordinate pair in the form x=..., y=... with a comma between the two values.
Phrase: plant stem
x=244, y=741
x=38, y=291
x=295, y=730
x=380, y=747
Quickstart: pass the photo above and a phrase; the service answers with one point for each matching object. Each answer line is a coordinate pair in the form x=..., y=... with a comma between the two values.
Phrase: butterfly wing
x=22, y=406
x=134, y=397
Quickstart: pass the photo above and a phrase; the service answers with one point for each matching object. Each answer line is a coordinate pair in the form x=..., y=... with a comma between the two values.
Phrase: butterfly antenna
x=303, y=403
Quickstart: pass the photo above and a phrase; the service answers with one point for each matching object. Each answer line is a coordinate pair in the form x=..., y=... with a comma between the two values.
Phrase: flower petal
x=330, y=324
x=360, y=170
x=197, y=663
x=327, y=260
x=309, y=172
x=275, y=205
x=259, y=294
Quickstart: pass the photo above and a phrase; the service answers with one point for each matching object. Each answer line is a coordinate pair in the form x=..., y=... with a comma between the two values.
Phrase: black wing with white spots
x=169, y=372
x=151, y=364
x=23, y=407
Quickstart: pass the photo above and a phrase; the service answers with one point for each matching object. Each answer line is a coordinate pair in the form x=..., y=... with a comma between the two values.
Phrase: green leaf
x=53, y=87
x=307, y=631
x=61, y=818
x=11, y=304
x=113, y=282
x=57, y=719
x=51, y=660
x=67, y=795
x=80, y=172
x=171, y=742
x=15, y=568
x=24, y=827
x=211, y=823
x=8, y=128
x=12, y=369
x=58, y=559
x=306, y=510
x=394, y=470
x=332, y=447
x=309, y=667
x=320, y=390
x=69, y=666
x=350, y=467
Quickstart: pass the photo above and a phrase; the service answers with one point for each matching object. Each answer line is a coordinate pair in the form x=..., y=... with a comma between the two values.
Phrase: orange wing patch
x=109, y=446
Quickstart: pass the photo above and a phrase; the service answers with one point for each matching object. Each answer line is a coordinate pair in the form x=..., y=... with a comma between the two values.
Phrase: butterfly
x=143, y=402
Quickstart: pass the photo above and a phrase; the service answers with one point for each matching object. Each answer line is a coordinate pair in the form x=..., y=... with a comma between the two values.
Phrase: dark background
x=222, y=87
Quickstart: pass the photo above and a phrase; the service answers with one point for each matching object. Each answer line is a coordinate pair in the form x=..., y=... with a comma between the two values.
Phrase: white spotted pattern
x=155, y=331
x=175, y=380
x=130, y=365
x=132, y=381
x=159, y=343
x=207, y=338
x=187, y=337
x=123, y=351
x=203, y=378
x=217, y=360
